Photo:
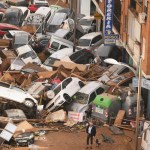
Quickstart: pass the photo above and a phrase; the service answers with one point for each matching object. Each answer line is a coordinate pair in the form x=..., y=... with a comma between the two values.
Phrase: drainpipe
x=73, y=6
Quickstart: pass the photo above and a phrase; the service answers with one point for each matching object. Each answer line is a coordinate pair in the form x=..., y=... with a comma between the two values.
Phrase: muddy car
x=84, y=97
x=14, y=97
x=63, y=92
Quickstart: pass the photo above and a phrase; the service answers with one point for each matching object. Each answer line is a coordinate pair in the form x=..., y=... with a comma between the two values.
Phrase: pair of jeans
x=89, y=139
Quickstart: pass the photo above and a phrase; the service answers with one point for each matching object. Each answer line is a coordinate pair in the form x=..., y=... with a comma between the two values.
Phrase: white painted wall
x=85, y=7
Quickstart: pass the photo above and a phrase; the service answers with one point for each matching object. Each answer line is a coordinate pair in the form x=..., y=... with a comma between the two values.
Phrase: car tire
x=29, y=103
x=67, y=98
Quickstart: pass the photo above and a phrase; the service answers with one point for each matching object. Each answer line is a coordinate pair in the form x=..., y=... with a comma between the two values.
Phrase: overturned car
x=12, y=97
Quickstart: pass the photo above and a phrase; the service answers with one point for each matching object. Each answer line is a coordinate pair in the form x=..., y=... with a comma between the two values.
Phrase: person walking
x=91, y=132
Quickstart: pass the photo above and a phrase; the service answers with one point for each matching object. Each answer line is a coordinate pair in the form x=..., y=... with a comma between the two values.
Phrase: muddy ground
x=76, y=140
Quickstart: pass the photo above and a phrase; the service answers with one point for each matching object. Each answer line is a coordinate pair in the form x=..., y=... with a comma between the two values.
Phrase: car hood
x=85, y=28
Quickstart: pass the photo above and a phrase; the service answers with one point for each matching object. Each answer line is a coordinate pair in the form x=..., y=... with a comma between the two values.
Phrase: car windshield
x=84, y=42
x=11, y=20
x=52, y=28
x=49, y=61
x=55, y=46
x=81, y=98
x=85, y=22
x=57, y=89
x=28, y=54
x=5, y=5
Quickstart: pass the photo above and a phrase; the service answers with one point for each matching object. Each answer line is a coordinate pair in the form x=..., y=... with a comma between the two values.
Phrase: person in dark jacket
x=91, y=132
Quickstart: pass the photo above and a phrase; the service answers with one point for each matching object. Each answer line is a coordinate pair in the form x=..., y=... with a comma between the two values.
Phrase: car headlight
x=29, y=103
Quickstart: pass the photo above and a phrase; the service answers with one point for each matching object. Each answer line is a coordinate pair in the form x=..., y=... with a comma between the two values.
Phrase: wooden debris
x=119, y=117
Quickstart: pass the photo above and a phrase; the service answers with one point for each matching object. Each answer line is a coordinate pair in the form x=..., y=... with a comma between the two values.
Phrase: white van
x=57, y=43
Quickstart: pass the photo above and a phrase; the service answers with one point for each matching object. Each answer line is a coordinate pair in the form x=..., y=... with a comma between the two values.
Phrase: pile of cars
x=42, y=69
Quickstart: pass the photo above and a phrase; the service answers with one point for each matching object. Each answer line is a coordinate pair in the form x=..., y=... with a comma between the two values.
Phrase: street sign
x=145, y=83
x=98, y=15
x=111, y=39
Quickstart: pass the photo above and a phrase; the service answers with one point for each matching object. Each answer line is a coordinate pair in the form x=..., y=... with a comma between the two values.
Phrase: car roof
x=43, y=10
x=91, y=35
x=88, y=18
x=62, y=53
x=61, y=32
x=57, y=18
x=23, y=9
x=40, y=1
x=12, y=9
x=13, y=32
x=62, y=40
x=90, y=87
x=23, y=49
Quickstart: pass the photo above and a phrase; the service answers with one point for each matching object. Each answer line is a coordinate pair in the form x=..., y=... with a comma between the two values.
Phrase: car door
x=17, y=94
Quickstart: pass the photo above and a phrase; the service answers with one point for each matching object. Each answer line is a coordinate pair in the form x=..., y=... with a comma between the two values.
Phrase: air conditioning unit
x=141, y=17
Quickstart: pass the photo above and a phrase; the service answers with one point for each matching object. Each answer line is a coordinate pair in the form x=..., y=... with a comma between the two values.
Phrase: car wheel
x=90, y=60
x=29, y=103
x=67, y=98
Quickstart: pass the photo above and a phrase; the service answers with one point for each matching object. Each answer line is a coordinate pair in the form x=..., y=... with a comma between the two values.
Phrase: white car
x=25, y=11
x=88, y=24
x=27, y=54
x=85, y=96
x=59, y=55
x=63, y=93
x=14, y=97
x=16, y=94
x=93, y=39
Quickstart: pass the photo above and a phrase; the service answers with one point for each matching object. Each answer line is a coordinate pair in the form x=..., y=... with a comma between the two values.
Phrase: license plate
x=99, y=110
x=22, y=141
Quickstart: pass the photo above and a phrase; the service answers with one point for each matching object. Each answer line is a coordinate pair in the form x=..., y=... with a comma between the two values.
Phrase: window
x=68, y=36
x=57, y=89
x=4, y=85
x=44, y=42
x=63, y=46
x=96, y=39
x=92, y=97
x=28, y=54
x=126, y=83
x=99, y=90
x=66, y=82
x=55, y=46
x=25, y=14
x=124, y=71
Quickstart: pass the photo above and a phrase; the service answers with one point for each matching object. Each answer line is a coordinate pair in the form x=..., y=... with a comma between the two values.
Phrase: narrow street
x=76, y=140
